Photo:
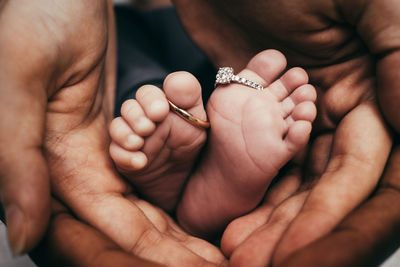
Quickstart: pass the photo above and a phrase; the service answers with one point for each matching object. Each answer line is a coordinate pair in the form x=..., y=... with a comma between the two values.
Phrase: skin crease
x=47, y=80
x=57, y=102
x=345, y=49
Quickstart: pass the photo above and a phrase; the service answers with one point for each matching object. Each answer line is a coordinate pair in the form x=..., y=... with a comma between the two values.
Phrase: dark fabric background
x=152, y=44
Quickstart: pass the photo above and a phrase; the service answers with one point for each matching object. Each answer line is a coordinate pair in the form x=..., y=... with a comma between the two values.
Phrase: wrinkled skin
x=351, y=52
x=58, y=78
x=58, y=127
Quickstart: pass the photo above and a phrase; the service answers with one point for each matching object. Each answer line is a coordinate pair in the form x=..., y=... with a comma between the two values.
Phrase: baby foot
x=253, y=134
x=154, y=148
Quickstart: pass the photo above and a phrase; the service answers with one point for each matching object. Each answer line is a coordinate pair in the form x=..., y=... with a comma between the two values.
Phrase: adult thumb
x=24, y=177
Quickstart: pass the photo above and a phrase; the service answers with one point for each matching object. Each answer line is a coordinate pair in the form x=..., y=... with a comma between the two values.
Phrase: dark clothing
x=152, y=44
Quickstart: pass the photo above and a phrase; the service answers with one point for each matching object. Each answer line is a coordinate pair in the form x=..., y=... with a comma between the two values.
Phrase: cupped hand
x=58, y=74
x=311, y=200
x=159, y=242
x=367, y=236
x=70, y=242
x=53, y=61
x=350, y=50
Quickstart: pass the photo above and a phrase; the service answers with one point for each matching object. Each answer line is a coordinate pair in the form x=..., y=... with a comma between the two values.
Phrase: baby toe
x=184, y=90
x=123, y=135
x=297, y=136
x=127, y=160
x=134, y=115
x=303, y=93
x=265, y=67
x=153, y=102
x=289, y=82
x=305, y=111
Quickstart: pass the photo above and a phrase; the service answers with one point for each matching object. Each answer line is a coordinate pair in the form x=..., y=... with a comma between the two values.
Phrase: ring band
x=189, y=117
x=225, y=76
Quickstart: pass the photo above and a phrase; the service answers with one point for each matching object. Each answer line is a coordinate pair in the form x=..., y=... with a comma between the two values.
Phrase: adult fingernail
x=15, y=228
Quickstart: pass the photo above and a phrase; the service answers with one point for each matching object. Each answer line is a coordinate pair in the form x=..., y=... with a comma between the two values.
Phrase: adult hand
x=366, y=237
x=58, y=74
x=70, y=242
x=346, y=48
x=311, y=34
x=309, y=202
x=53, y=61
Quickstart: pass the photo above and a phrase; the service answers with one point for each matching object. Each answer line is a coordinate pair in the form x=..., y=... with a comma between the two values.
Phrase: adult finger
x=378, y=24
x=97, y=195
x=253, y=238
x=240, y=229
x=366, y=237
x=259, y=232
x=258, y=248
x=352, y=173
x=138, y=233
x=69, y=242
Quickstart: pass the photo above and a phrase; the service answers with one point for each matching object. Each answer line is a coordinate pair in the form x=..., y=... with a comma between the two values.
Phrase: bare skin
x=370, y=241
x=316, y=36
x=164, y=148
x=56, y=104
x=253, y=135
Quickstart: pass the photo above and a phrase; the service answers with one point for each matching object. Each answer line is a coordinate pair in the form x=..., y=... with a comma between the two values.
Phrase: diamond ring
x=225, y=76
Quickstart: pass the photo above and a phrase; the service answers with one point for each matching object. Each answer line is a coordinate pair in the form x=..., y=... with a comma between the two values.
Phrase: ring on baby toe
x=189, y=117
x=225, y=76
